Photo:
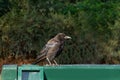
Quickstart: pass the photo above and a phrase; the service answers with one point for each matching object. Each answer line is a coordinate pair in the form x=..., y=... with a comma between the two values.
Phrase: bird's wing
x=52, y=52
x=50, y=45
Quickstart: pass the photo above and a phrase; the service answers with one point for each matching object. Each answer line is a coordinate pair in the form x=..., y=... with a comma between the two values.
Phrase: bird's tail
x=39, y=58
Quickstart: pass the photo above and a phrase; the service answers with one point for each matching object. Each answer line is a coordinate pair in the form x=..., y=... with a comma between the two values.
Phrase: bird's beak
x=67, y=37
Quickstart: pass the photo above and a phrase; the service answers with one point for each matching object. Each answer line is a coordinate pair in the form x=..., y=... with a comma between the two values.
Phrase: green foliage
x=4, y=7
x=93, y=25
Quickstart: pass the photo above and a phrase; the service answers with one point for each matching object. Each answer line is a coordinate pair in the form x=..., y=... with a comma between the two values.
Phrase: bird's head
x=62, y=36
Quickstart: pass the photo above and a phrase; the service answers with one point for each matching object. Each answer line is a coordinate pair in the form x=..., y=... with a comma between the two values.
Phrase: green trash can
x=9, y=72
x=82, y=72
x=30, y=72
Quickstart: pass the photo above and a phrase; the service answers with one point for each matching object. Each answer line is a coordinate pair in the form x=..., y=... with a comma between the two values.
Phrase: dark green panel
x=30, y=72
x=82, y=72
x=9, y=72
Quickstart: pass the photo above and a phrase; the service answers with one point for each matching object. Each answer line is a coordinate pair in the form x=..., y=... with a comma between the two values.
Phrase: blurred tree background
x=94, y=25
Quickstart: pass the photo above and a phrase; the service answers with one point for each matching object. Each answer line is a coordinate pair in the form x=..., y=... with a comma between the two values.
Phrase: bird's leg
x=55, y=62
x=48, y=61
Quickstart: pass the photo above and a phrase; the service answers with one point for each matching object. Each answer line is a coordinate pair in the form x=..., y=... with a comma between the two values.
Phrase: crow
x=52, y=49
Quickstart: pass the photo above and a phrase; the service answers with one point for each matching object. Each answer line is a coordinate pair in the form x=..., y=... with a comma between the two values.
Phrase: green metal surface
x=82, y=72
x=62, y=72
x=0, y=76
x=30, y=72
x=9, y=72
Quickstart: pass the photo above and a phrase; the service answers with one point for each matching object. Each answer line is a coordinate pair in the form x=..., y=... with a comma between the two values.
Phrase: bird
x=52, y=49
